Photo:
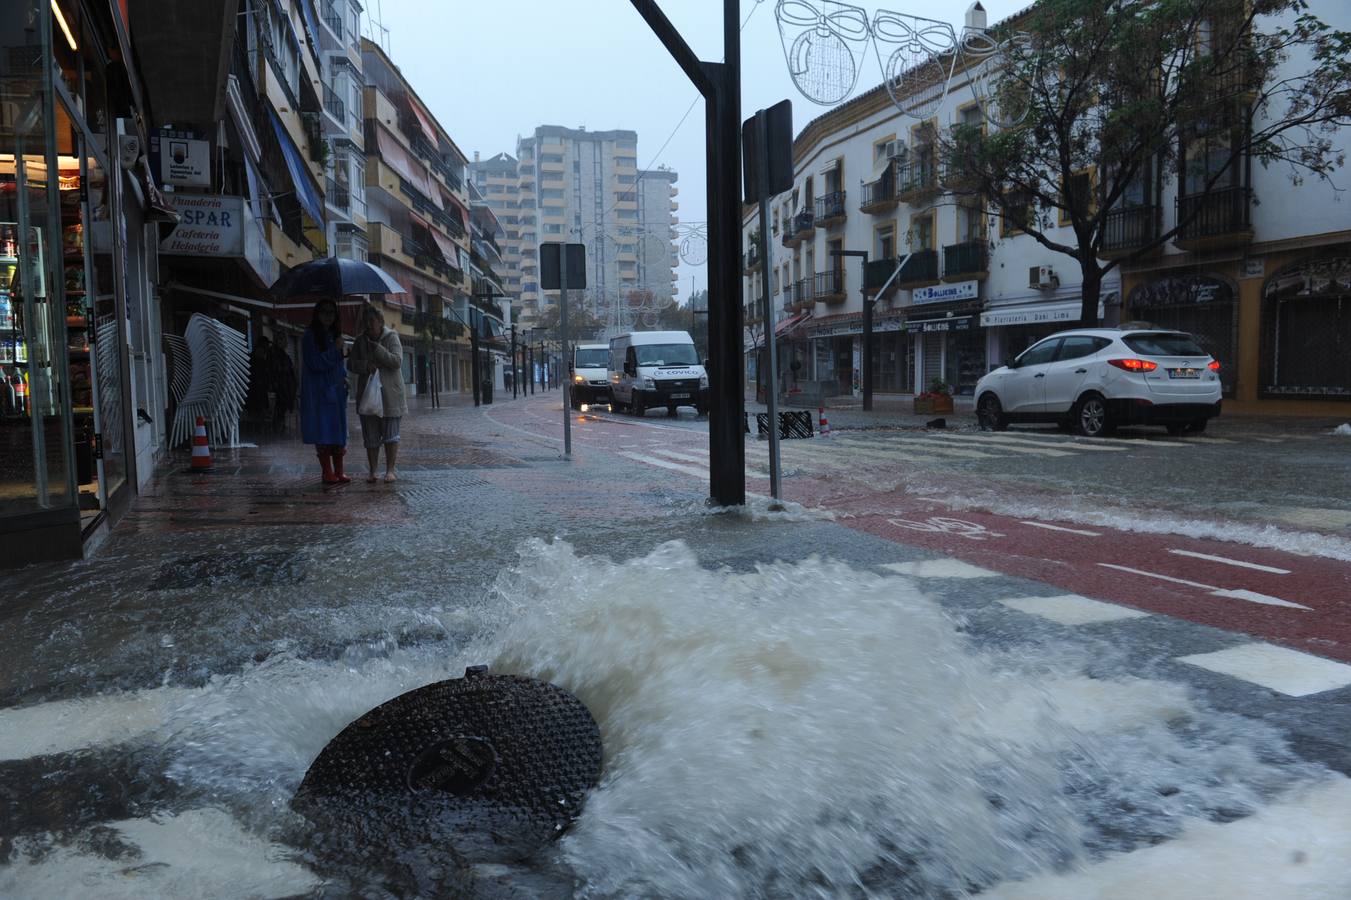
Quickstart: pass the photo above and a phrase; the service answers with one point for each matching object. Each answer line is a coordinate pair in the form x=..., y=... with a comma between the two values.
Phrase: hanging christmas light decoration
x=822, y=47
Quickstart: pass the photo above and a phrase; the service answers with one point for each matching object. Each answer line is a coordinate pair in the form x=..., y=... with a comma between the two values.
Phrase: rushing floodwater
x=805, y=730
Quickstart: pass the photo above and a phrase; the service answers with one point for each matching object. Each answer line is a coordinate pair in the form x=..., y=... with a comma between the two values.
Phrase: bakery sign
x=220, y=226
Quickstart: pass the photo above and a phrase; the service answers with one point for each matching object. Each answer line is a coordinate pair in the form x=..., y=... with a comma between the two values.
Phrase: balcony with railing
x=1220, y=218
x=920, y=270
x=332, y=19
x=829, y=286
x=966, y=261
x=338, y=196
x=799, y=228
x=750, y=260
x=335, y=118
x=1127, y=229
x=916, y=181
x=802, y=296
x=830, y=209
x=875, y=274
x=879, y=196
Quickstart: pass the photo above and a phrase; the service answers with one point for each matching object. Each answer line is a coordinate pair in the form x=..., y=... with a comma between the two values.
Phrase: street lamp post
x=867, y=325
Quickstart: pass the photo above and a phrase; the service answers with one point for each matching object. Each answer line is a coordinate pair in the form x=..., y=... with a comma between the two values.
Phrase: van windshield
x=593, y=359
x=667, y=355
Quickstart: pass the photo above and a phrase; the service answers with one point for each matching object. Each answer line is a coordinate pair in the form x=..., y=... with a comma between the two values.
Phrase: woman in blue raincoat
x=323, y=391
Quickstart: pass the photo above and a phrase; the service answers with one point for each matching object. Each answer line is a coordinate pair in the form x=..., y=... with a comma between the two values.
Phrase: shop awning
x=457, y=209
x=306, y=192
x=398, y=159
x=790, y=323
x=1034, y=313
x=448, y=248
x=424, y=122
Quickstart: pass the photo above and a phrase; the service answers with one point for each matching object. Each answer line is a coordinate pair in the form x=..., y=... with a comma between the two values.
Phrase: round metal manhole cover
x=496, y=758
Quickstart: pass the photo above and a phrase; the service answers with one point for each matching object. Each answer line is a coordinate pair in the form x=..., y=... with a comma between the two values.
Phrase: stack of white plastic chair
x=218, y=383
x=180, y=365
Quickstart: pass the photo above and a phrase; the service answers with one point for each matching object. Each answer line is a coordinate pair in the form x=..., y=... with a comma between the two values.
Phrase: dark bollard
x=495, y=765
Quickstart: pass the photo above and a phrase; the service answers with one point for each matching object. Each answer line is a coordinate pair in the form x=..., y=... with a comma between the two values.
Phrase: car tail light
x=1134, y=365
x=1213, y=365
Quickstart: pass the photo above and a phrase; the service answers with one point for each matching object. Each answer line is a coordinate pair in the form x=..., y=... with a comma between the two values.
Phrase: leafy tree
x=1110, y=99
x=581, y=322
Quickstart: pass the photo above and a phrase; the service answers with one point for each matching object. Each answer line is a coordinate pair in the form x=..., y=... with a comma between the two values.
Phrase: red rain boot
x=338, y=476
x=326, y=463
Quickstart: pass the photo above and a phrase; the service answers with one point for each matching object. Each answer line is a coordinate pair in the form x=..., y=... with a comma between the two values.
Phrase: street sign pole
x=772, y=392
x=563, y=327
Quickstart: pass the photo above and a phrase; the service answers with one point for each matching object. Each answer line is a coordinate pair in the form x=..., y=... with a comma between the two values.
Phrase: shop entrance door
x=94, y=317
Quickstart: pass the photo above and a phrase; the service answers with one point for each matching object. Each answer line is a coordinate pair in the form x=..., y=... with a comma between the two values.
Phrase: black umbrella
x=334, y=277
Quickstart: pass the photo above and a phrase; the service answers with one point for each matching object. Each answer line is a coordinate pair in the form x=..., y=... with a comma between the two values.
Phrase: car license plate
x=680, y=396
x=1184, y=373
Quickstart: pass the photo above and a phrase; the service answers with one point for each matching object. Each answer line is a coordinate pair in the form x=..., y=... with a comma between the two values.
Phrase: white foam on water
x=805, y=729
x=1298, y=848
x=1343, y=430
x=1092, y=512
x=66, y=725
x=808, y=728
x=198, y=853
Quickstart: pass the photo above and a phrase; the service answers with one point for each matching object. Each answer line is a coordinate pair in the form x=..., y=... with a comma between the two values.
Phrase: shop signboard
x=220, y=227
x=943, y=293
x=184, y=159
x=958, y=323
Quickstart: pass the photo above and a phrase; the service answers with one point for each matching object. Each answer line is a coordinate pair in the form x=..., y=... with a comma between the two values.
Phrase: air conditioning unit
x=897, y=150
x=1043, y=278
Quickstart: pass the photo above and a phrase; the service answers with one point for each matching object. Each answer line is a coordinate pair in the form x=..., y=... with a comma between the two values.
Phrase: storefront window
x=34, y=461
x=1306, y=313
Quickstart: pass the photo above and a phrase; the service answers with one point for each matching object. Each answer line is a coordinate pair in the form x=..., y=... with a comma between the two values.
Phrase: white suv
x=1095, y=379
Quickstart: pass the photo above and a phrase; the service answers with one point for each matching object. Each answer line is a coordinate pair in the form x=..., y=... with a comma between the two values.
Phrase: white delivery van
x=654, y=369
x=589, y=374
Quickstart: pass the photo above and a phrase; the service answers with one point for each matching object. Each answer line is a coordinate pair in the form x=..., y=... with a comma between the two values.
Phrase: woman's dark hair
x=369, y=312
x=326, y=336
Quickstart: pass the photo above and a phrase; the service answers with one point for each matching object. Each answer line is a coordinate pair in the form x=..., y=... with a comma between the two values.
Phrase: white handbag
x=372, y=398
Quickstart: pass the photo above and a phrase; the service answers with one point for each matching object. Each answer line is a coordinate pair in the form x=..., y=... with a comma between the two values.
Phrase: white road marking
x=666, y=464
x=1195, y=584
x=939, y=568
x=64, y=726
x=837, y=456
x=1050, y=527
x=1093, y=445
x=1071, y=609
x=1254, y=597
x=1025, y=448
x=1290, y=672
x=1231, y=562
x=687, y=457
x=933, y=445
x=1237, y=594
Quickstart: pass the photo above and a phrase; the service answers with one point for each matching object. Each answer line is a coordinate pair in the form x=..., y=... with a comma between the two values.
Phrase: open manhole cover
x=496, y=765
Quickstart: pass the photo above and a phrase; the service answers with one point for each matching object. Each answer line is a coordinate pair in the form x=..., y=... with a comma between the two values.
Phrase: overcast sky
x=493, y=70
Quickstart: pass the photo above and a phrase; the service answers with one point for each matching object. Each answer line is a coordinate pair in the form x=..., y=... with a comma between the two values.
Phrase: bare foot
x=372, y=478
x=391, y=476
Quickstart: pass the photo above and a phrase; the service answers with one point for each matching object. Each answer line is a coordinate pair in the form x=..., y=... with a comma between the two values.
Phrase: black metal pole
x=515, y=369
x=474, y=361
x=720, y=85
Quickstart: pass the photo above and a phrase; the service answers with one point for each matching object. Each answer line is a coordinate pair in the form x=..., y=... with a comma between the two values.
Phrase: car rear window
x=1166, y=344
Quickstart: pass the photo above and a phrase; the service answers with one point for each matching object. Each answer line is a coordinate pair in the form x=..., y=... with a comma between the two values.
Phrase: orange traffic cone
x=201, y=451
x=825, y=423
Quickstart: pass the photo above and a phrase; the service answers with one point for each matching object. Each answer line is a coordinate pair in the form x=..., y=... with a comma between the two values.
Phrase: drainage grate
x=440, y=488
x=253, y=569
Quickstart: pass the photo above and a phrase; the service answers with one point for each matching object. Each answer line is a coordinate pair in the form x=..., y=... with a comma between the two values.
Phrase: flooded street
x=788, y=707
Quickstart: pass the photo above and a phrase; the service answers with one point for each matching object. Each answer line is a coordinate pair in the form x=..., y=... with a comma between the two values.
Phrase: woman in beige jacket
x=377, y=348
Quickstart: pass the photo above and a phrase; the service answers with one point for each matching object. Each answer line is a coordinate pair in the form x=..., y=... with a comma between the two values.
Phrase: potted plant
x=937, y=399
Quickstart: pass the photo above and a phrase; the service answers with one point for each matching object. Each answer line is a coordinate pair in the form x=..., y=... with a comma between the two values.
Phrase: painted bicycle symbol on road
x=972, y=531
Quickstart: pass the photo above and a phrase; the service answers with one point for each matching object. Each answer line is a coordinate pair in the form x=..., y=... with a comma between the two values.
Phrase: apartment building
x=338, y=23
x=417, y=225
x=497, y=183
x=1262, y=276
x=580, y=186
